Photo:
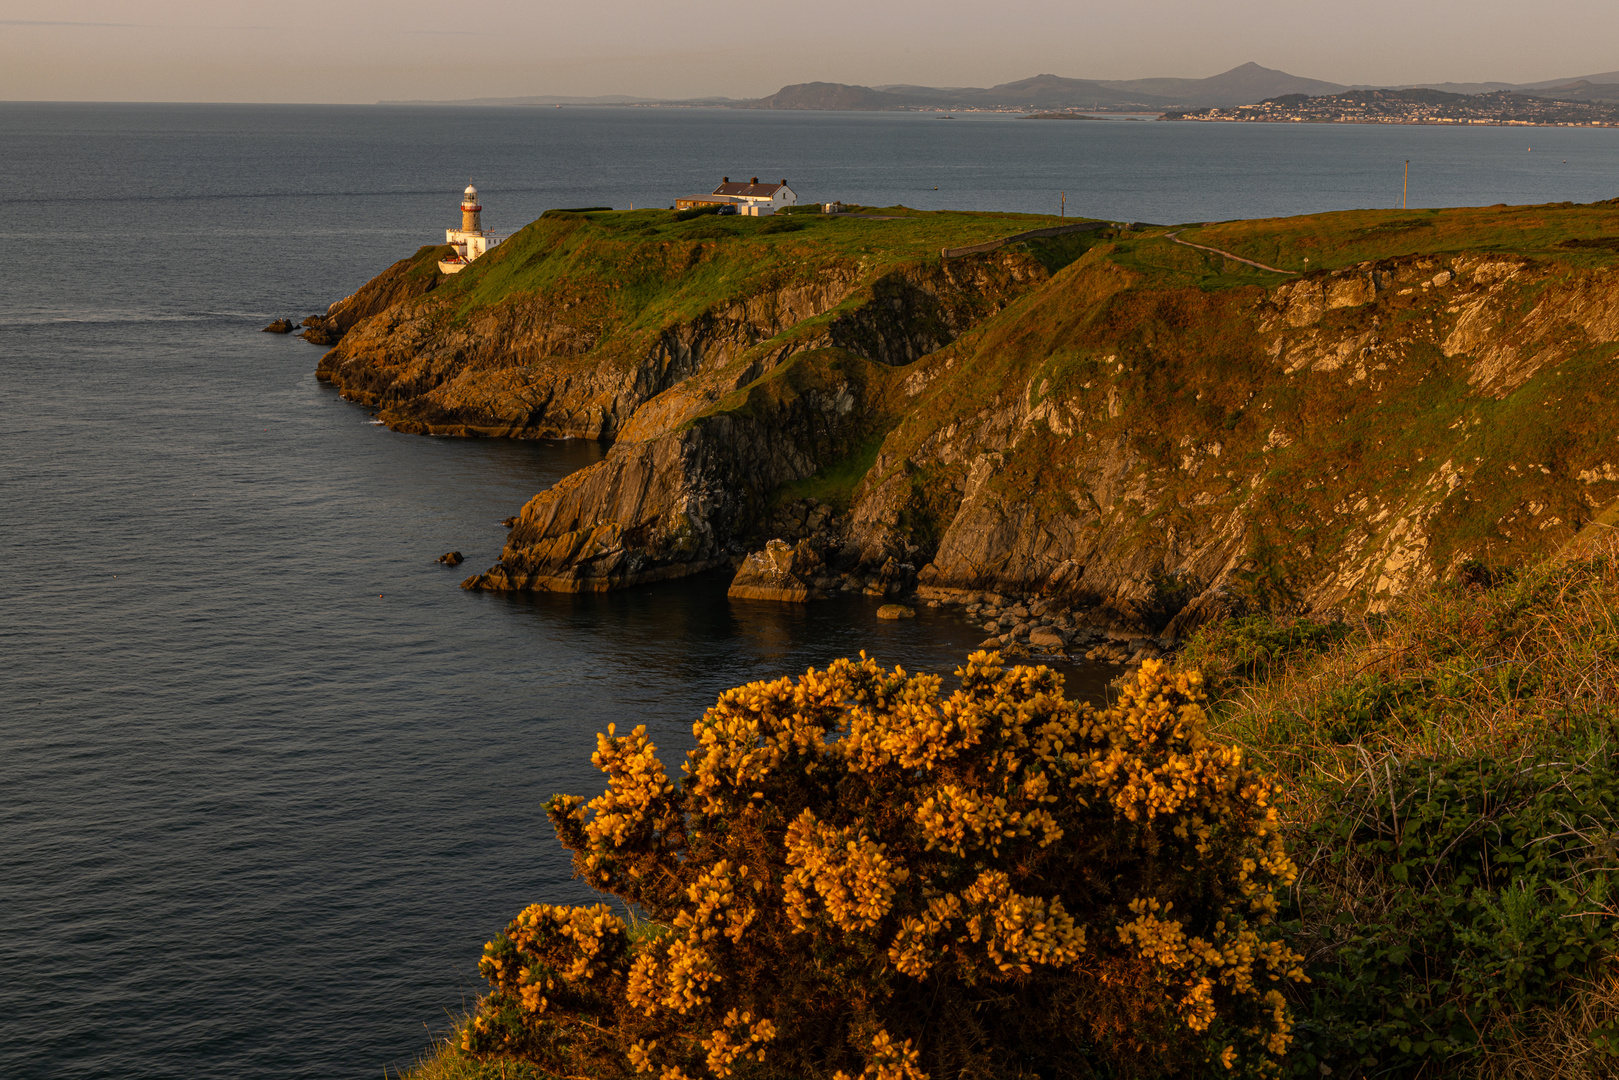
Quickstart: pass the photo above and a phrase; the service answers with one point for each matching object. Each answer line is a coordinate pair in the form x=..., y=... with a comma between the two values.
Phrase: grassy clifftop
x=647, y=269
x=1568, y=235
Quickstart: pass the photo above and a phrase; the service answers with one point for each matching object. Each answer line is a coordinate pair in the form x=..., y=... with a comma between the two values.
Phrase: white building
x=751, y=198
x=469, y=241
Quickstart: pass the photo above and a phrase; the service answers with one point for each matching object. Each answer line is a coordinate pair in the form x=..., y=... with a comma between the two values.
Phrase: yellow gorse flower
x=851, y=877
x=888, y=1060
x=863, y=828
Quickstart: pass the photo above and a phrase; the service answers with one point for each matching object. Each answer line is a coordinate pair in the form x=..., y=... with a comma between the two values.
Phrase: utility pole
x=1405, y=189
x=1063, y=210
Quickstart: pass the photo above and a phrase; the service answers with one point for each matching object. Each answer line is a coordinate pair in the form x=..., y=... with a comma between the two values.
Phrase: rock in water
x=896, y=611
x=450, y=558
x=1047, y=638
x=771, y=574
x=280, y=326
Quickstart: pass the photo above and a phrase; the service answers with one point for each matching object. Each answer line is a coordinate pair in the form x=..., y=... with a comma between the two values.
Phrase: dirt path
x=1175, y=236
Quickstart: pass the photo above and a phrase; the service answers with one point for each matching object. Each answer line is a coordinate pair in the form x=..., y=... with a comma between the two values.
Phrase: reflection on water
x=723, y=638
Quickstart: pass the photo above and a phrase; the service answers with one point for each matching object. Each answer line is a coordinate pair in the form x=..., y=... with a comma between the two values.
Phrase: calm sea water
x=268, y=779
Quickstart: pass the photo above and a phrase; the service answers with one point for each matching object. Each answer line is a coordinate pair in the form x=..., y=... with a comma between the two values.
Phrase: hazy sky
x=366, y=50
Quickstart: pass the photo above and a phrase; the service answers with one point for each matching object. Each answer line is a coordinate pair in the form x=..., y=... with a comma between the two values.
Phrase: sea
x=268, y=778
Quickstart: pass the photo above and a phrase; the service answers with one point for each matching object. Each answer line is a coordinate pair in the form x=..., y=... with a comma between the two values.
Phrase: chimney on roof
x=725, y=179
x=784, y=181
x=755, y=180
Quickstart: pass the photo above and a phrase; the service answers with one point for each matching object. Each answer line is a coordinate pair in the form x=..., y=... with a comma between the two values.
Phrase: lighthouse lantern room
x=469, y=241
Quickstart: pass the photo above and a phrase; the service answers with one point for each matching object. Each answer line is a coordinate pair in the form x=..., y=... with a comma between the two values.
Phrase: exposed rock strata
x=1342, y=453
x=681, y=503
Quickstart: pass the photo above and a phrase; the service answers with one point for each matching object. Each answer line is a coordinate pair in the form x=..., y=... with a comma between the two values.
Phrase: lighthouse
x=469, y=241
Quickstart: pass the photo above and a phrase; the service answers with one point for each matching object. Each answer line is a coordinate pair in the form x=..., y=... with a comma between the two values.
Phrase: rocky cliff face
x=1111, y=421
x=684, y=501
x=1332, y=441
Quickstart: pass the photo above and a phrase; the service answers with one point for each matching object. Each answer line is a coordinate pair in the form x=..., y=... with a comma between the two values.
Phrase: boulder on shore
x=772, y=574
x=896, y=611
x=280, y=326
x=1047, y=638
x=450, y=558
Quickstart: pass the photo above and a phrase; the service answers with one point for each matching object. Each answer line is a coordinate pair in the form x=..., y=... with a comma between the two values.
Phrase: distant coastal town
x=1414, y=107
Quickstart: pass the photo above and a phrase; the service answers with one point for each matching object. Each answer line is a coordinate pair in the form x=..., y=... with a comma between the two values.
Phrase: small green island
x=1337, y=493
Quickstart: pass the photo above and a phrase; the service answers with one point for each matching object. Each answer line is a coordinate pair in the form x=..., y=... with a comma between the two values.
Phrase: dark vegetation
x=1451, y=777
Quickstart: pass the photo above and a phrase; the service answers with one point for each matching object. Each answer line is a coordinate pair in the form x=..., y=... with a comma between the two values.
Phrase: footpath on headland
x=1175, y=236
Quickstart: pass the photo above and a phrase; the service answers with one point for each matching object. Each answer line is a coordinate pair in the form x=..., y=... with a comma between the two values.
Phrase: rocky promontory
x=1129, y=433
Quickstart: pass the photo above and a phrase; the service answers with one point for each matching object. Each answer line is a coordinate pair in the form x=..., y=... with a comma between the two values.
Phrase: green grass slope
x=655, y=269
x=1452, y=785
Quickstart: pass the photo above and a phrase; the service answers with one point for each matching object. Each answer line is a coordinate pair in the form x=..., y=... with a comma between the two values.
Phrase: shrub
x=1250, y=647
x=860, y=877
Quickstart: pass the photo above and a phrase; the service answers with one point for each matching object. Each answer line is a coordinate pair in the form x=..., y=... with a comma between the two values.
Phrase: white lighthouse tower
x=469, y=241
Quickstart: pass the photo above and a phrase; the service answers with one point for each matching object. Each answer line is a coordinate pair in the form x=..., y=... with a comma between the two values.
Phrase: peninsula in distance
x=1249, y=92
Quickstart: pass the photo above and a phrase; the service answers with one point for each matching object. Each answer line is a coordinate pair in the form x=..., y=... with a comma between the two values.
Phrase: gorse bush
x=859, y=876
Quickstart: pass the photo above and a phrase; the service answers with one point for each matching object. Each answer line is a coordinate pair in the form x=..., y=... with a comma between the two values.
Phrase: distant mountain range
x=1243, y=85
x=1240, y=85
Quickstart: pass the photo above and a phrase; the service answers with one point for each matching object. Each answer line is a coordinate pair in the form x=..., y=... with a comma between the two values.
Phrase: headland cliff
x=1143, y=430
